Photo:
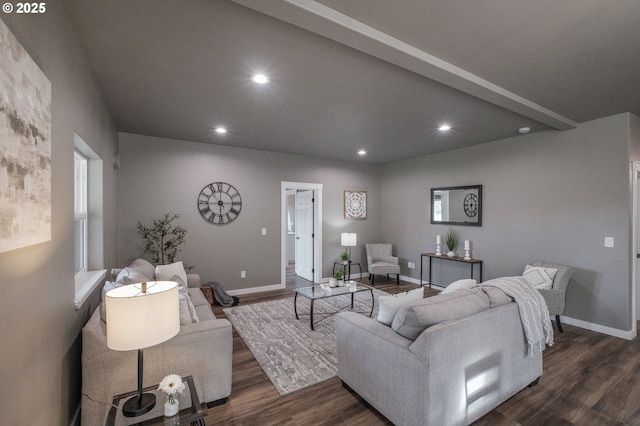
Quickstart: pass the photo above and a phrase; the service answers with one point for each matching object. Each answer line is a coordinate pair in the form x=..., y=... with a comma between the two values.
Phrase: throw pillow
x=389, y=305
x=540, y=278
x=165, y=272
x=459, y=285
x=181, y=284
x=131, y=275
x=146, y=268
x=188, y=312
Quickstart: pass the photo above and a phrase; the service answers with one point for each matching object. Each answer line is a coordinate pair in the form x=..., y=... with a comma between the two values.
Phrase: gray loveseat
x=201, y=349
x=471, y=357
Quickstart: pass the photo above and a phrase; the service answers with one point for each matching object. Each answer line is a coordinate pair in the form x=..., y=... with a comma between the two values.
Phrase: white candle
x=438, y=239
x=467, y=245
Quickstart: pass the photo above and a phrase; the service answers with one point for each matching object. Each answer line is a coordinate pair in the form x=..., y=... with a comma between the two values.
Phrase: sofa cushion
x=176, y=279
x=411, y=321
x=459, y=285
x=197, y=297
x=390, y=304
x=541, y=278
x=496, y=296
x=166, y=272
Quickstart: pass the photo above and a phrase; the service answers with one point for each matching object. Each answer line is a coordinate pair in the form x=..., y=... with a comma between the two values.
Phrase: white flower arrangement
x=171, y=385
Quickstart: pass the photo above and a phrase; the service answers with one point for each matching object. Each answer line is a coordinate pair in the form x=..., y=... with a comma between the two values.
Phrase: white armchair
x=380, y=261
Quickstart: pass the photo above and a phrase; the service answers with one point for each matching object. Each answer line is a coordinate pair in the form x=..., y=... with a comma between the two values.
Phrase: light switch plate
x=608, y=241
x=264, y=231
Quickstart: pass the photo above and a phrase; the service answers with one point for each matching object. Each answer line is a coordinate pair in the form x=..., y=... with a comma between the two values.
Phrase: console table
x=471, y=262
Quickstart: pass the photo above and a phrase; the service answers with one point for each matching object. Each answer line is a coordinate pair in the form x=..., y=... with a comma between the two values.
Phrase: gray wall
x=549, y=196
x=160, y=176
x=40, y=348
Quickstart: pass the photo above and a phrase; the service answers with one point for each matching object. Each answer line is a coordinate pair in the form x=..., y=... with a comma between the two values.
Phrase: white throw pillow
x=166, y=272
x=459, y=285
x=540, y=278
x=390, y=304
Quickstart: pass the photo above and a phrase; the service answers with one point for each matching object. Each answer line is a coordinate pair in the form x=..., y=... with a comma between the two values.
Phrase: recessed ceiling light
x=444, y=128
x=362, y=152
x=221, y=130
x=524, y=130
x=260, y=79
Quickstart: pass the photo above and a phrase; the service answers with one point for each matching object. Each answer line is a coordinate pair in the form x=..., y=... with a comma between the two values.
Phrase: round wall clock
x=471, y=205
x=219, y=203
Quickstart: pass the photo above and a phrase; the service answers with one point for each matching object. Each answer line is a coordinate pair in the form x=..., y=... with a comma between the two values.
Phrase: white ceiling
x=379, y=75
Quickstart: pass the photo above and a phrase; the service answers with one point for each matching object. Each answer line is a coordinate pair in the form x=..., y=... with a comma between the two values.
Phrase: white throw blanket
x=533, y=309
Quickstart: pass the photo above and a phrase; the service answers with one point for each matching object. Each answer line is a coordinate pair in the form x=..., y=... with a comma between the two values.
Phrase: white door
x=304, y=234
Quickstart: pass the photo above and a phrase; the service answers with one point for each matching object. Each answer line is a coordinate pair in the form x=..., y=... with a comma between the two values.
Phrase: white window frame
x=90, y=196
x=80, y=186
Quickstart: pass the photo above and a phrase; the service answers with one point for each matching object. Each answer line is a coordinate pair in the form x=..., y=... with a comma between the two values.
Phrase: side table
x=347, y=270
x=190, y=408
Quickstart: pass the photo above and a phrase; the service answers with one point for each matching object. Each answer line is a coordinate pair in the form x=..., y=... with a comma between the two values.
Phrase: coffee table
x=316, y=292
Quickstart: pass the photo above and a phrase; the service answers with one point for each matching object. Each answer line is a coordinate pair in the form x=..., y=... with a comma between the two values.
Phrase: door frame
x=635, y=217
x=317, y=228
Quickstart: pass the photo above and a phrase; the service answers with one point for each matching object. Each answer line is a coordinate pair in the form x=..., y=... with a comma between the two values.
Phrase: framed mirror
x=457, y=205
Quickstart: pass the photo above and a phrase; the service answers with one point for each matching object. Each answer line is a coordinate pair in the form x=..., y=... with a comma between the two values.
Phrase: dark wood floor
x=589, y=379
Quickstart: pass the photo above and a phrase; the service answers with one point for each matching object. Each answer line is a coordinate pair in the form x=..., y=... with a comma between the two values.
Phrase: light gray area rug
x=292, y=355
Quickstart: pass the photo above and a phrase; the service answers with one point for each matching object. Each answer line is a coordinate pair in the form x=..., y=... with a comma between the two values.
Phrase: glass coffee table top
x=318, y=292
x=323, y=291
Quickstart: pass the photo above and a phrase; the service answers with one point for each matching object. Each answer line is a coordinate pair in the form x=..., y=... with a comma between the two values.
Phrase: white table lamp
x=140, y=316
x=348, y=240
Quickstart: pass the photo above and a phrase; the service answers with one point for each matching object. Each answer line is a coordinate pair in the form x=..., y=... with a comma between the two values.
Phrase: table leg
x=311, y=315
x=295, y=305
x=471, y=270
x=352, y=300
x=372, y=302
x=421, y=257
x=430, y=258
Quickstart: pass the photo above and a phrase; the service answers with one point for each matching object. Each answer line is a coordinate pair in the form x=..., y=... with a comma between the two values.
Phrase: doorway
x=635, y=246
x=301, y=231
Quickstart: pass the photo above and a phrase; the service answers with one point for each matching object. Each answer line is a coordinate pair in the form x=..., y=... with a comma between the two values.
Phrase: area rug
x=290, y=353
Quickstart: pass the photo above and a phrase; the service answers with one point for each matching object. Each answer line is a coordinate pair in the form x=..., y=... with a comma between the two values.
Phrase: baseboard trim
x=623, y=334
x=250, y=290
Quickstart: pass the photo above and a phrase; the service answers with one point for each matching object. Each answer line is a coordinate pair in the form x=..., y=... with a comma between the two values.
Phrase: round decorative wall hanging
x=471, y=205
x=219, y=203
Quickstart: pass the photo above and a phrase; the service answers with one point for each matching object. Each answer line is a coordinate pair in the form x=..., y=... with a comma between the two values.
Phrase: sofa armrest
x=193, y=280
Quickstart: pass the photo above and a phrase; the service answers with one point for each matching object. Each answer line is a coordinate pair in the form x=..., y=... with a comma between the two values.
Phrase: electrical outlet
x=264, y=231
x=243, y=274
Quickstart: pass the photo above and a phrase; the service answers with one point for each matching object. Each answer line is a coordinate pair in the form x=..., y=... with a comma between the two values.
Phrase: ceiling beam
x=327, y=22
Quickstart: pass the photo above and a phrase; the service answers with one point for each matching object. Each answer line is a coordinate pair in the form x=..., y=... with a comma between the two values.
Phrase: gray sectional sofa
x=202, y=349
x=447, y=360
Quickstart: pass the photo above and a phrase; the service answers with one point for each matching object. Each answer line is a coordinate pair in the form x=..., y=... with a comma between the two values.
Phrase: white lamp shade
x=348, y=239
x=137, y=319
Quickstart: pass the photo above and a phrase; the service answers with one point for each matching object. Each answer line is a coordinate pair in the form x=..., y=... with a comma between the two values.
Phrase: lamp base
x=135, y=406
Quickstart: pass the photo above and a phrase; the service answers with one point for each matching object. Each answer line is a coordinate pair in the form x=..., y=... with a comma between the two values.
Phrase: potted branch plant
x=345, y=257
x=339, y=275
x=451, y=240
x=163, y=239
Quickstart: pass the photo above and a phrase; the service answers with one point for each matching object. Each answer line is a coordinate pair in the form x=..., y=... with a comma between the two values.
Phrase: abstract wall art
x=25, y=147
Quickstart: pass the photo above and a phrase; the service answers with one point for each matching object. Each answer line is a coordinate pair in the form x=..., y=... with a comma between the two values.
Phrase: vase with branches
x=163, y=239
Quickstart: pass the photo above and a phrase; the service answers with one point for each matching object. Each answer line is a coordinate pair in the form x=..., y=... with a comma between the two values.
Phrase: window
x=80, y=211
x=88, y=234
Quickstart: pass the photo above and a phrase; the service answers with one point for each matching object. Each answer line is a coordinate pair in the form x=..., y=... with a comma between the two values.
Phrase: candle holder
x=467, y=254
x=438, y=249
